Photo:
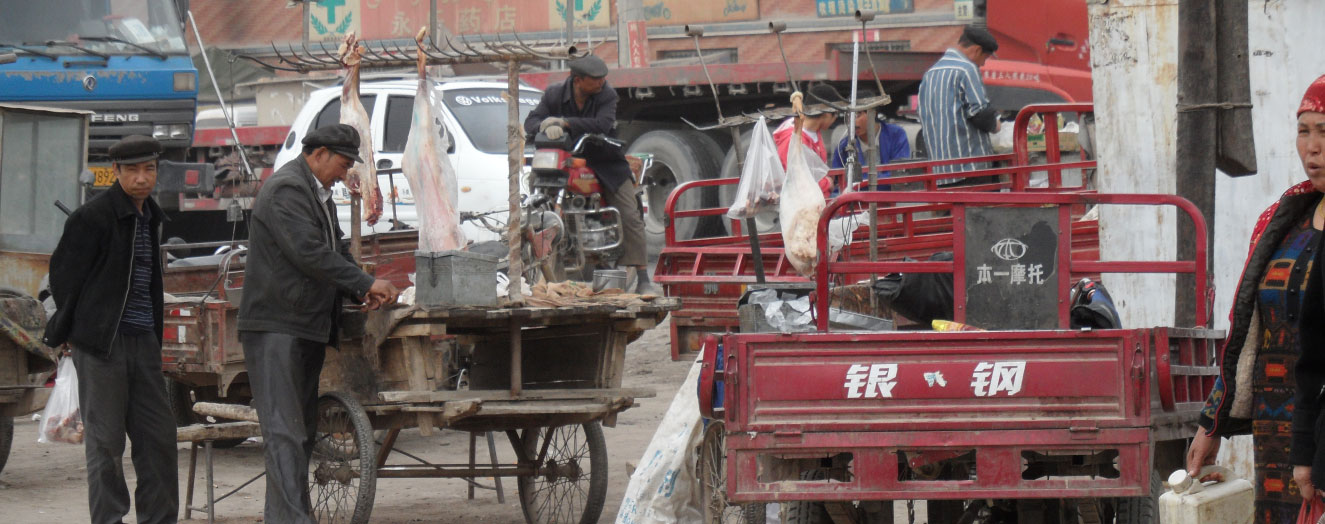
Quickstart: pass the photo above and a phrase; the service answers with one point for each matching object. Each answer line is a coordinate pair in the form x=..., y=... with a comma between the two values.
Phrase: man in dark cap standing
x=298, y=270
x=585, y=103
x=105, y=278
x=955, y=115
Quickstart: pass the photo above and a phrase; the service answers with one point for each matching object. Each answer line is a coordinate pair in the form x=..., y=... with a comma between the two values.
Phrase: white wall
x=1134, y=56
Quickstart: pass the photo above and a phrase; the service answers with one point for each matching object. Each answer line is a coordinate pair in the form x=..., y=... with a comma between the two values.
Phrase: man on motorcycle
x=584, y=103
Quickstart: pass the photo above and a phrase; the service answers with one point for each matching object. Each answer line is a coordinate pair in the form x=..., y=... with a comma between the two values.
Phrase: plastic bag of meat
x=762, y=176
x=61, y=421
x=430, y=173
x=802, y=203
x=362, y=177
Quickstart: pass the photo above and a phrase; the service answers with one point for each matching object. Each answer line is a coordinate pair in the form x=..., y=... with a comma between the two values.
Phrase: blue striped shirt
x=137, y=317
x=951, y=92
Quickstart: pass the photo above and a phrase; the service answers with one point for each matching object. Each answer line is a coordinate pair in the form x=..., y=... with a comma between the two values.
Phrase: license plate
x=103, y=176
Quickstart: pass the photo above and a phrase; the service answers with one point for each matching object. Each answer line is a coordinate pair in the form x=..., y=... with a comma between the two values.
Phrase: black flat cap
x=981, y=37
x=339, y=138
x=820, y=93
x=134, y=149
x=589, y=65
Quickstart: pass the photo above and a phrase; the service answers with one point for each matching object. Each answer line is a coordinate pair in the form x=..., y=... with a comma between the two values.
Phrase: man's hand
x=380, y=294
x=553, y=121
x=1302, y=475
x=1202, y=452
x=554, y=132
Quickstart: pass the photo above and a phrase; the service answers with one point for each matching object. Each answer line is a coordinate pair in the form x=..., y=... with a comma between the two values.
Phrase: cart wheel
x=712, y=473
x=571, y=482
x=6, y=439
x=342, y=478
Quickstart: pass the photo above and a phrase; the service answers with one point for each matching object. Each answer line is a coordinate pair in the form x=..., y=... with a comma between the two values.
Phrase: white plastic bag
x=762, y=176
x=802, y=203
x=61, y=421
x=663, y=488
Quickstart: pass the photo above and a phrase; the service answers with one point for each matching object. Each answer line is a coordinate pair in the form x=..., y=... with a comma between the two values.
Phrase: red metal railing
x=960, y=201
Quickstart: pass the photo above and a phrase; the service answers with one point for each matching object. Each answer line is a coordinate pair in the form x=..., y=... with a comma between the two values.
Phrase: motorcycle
x=569, y=227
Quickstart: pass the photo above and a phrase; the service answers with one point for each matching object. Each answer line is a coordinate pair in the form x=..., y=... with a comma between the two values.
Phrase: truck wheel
x=678, y=157
x=1137, y=510
x=6, y=439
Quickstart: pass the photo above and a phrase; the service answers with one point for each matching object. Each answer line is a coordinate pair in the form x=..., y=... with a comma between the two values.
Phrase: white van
x=475, y=119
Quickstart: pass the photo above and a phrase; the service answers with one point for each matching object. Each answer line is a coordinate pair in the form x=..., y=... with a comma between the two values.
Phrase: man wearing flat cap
x=298, y=270
x=105, y=278
x=955, y=115
x=585, y=103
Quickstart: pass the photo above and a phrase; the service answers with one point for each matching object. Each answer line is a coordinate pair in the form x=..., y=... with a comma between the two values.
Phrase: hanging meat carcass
x=429, y=171
x=362, y=177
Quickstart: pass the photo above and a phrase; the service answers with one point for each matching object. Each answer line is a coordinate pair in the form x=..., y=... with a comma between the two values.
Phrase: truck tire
x=1139, y=510
x=679, y=156
x=6, y=439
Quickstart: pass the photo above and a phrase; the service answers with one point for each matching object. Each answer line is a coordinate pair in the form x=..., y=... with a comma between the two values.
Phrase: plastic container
x=454, y=278
x=609, y=278
x=1190, y=501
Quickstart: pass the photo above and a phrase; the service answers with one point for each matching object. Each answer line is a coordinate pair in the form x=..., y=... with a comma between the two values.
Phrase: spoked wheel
x=712, y=473
x=342, y=476
x=570, y=484
x=6, y=439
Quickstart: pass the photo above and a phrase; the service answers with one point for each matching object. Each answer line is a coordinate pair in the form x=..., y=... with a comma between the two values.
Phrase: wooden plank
x=560, y=408
x=426, y=397
x=418, y=378
x=228, y=430
x=226, y=411
x=418, y=330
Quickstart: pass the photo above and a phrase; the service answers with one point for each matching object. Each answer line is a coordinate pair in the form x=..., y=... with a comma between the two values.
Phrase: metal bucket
x=609, y=278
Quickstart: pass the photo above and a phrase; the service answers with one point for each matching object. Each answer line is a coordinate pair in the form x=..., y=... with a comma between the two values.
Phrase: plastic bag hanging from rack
x=762, y=176
x=799, y=209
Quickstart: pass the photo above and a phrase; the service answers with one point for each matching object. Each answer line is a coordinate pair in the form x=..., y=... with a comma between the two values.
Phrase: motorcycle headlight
x=545, y=160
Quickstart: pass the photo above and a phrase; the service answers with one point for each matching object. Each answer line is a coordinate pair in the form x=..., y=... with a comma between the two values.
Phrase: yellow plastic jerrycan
x=1190, y=501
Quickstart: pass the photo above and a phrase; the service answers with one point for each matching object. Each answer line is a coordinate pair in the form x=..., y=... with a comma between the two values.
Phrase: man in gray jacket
x=297, y=272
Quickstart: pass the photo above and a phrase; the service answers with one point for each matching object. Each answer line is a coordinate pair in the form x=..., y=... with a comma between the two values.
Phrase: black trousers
x=124, y=393
x=283, y=372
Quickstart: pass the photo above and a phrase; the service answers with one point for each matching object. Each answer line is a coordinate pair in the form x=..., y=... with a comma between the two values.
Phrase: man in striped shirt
x=955, y=115
x=105, y=277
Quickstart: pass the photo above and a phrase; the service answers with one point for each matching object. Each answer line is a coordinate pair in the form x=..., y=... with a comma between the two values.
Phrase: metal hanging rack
x=427, y=51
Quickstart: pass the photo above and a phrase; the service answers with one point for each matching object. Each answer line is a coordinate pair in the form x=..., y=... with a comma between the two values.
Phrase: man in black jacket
x=585, y=103
x=298, y=270
x=105, y=278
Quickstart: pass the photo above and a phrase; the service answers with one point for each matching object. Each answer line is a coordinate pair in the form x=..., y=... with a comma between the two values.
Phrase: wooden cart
x=452, y=369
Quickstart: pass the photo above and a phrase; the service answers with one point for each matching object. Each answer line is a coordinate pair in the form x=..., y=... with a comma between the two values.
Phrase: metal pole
x=496, y=481
x=695, y=32
x=515, y=160
x=229, y=120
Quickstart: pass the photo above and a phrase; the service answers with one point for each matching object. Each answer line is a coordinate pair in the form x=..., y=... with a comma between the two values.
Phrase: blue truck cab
x=125, y=60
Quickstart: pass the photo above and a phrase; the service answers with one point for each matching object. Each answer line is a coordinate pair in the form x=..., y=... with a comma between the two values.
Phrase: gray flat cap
x=134, y=149
x=339, y=138
x=589, y=65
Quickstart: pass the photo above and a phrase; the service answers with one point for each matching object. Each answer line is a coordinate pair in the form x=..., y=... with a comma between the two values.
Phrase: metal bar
x=225, y=110
x=473, y=443
x=451, y=471
x=211, y=480
x=388, y=443
x=193, y=468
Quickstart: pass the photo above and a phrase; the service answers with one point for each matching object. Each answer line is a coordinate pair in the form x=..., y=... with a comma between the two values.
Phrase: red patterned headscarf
x=1314, y=99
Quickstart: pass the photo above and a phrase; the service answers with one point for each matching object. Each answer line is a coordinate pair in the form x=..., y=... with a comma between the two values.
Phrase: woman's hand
x=1203, y=451
x=1302, y=475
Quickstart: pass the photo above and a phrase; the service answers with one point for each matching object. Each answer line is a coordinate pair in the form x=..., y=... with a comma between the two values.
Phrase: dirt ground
x=47, y=482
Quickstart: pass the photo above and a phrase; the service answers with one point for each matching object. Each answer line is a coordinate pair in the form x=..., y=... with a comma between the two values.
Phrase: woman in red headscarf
x=1263, y=358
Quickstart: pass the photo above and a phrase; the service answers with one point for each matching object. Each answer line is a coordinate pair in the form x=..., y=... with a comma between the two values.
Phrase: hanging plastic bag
x=61, y=421
x=762, y=176
x=802, y=203
x=1311, y=511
